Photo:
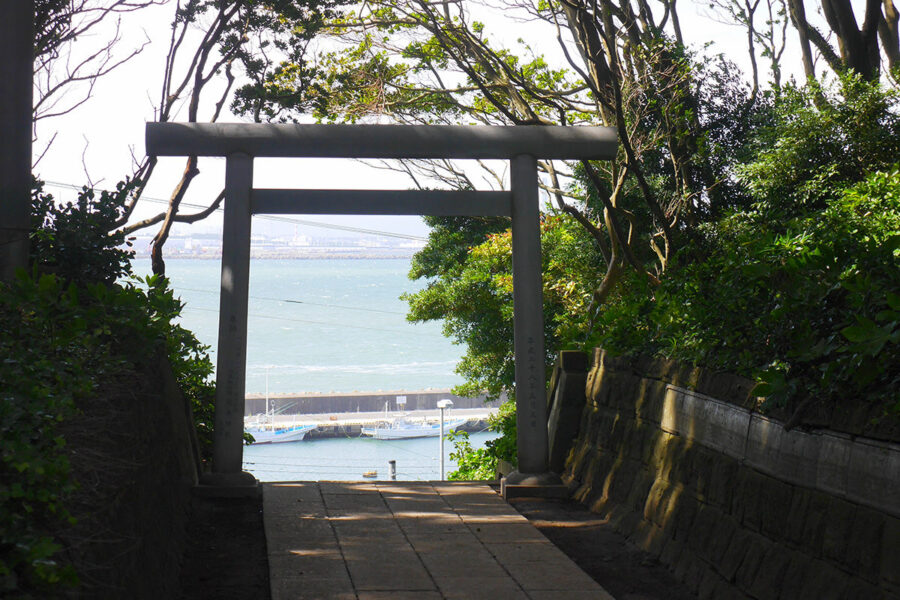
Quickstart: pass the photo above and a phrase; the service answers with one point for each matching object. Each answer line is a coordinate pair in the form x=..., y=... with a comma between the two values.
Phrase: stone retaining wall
x=678, y=460
x=136, y=472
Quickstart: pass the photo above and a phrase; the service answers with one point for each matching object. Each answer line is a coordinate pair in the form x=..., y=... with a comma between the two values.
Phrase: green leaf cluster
x=79, y=240
x=61, y=342
x=800, y=291
x=476, y=464
x=467, y=266
x=821, y=140
x=68, y=331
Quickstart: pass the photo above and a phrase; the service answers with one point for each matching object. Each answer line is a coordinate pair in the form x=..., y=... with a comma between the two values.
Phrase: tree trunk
x=890, y=39
x=798, y=18
x=16, y=47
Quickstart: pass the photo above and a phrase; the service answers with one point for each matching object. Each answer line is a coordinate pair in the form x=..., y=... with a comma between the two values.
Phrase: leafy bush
x=473, y=296
x=41, y=374
x=472, y=464
x=801, y=291
x=189, y=359
x=809, y=305
x=822, y=140
x=470, y=287
x=68, y=331
x=78, y=241
x=481, y=463
x=61, y=343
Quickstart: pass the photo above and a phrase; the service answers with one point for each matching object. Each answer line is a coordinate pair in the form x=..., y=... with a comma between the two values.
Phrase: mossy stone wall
x=679, y=460
x=134, y=454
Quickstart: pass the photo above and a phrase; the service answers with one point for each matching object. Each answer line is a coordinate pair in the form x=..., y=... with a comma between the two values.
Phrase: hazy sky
x=100, y=137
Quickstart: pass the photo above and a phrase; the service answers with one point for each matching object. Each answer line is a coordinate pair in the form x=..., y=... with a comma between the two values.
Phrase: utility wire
x=309, y=321
x=376, y=310
x=294, y=221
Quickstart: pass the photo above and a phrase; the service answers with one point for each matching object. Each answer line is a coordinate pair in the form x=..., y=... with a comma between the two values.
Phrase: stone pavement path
x=410, y=540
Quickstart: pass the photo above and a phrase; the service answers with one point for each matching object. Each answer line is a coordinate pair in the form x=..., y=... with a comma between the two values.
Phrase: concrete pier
x=352, y=402
x=349, y=424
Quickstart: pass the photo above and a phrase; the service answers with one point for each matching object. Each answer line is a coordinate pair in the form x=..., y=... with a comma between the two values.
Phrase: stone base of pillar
x=533, y=485
x=228, y=485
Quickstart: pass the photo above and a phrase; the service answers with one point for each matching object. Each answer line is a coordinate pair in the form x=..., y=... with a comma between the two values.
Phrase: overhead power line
x=312, y=322
x=375, y=310
x=291, y=220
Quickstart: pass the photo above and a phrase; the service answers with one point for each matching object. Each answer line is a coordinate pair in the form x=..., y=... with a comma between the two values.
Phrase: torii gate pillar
x=528, y=320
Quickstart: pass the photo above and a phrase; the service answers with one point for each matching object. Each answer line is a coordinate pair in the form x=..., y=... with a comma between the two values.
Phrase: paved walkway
x=410, y=541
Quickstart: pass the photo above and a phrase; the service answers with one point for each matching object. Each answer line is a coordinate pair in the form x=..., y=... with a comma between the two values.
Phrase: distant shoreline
x=293, y=255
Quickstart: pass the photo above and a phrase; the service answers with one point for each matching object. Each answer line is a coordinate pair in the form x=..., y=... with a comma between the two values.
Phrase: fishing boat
x=403, y=427
x=265, y=430
x=269, y=433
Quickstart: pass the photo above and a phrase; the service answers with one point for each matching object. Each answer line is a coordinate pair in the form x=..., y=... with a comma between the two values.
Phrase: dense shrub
x=822, y=139
x=802, y=291
x=799, y=289
x=470, y=288
x=74, y=239
x=68, y=331
x=60, y=343
x=810, y=306
x=473, y=296
x=481, y=463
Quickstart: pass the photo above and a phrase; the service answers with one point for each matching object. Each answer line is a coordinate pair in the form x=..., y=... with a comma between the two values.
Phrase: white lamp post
x=442, y=404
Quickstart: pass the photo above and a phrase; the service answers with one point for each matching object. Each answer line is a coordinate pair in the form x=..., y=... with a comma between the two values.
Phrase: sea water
x=323, y=326
x=347, y=459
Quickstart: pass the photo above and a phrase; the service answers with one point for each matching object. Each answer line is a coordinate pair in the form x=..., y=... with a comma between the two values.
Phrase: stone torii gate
x=241, y=143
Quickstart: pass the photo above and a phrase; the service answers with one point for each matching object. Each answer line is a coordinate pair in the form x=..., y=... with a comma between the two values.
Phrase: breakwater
x=314, y=404
x=344, y=425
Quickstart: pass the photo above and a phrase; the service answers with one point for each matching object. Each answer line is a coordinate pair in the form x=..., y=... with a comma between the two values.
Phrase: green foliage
x=807, y=305
x=800, y=290
x=41, y=374
x=821, y=140
x=472, y=464
x=189, y=358
x=481, y=463
x=68, y=331
x=504, y=423
x=74, y=240
x=470, y=288
x=283, y=28
x=61, y=343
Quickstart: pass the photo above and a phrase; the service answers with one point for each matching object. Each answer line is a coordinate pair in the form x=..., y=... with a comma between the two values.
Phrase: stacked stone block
x=679, y=460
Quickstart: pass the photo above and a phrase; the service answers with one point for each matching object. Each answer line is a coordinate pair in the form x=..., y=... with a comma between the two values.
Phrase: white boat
x=267, y=433
x=265, y=430
x=402, y=427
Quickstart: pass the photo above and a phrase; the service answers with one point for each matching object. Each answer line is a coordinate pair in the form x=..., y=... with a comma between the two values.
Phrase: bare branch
x=192, y=218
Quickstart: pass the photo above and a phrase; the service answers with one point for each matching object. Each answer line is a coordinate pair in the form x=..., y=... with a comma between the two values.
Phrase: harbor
x=343, y=425
x=354, y=402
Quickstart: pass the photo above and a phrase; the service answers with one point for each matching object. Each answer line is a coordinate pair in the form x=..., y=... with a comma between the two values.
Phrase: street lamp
x=442, y=404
